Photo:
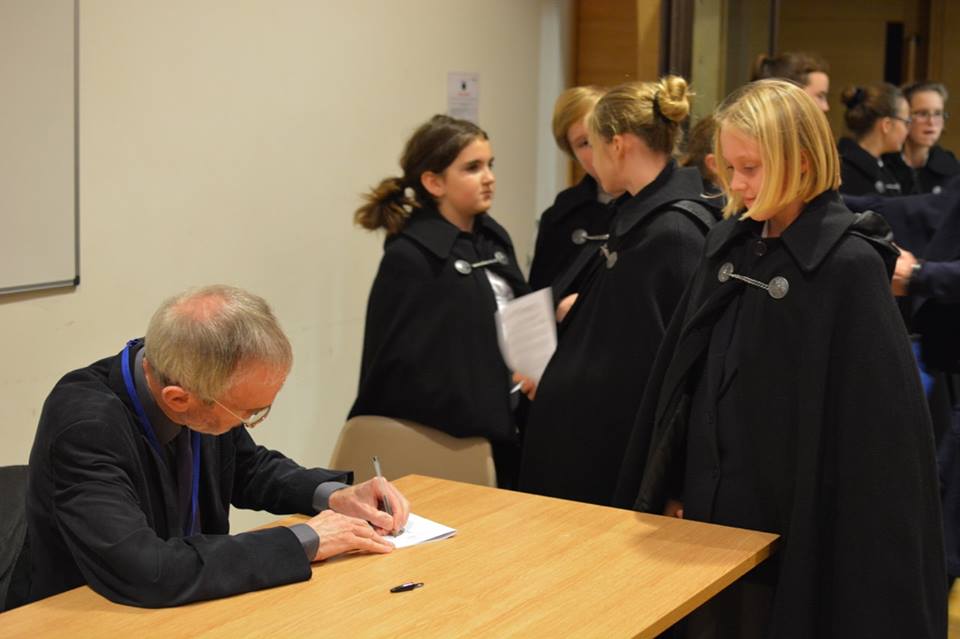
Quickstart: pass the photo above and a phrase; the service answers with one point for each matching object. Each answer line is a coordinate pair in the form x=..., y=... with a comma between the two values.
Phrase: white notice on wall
x=463, y=96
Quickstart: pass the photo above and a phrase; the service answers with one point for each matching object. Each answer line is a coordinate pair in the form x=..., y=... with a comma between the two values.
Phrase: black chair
x=13, y=523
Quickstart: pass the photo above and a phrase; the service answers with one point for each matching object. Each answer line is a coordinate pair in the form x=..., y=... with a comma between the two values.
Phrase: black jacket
x=574, y=208
x=913, y=218
x=838, y=447
x=863, y=174
x=102, y=507
x=929, y=227
x=430, y=351
x=935, y=290
x=588, y=395
x=941, y=166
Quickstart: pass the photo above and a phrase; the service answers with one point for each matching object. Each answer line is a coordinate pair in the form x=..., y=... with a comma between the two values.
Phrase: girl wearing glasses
x=785, y=397
x=923, y=166
x=430, y=350
x=879, y=118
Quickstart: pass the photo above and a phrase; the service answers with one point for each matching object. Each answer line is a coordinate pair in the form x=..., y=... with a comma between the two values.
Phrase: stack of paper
x=419, y=530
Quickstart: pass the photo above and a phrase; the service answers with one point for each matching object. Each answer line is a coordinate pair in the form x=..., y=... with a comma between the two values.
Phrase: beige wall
x=226, y=141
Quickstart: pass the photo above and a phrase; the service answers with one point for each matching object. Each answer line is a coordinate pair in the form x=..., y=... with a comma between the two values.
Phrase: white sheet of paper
x=463, y=95
x=420, y=530
x=527, y=332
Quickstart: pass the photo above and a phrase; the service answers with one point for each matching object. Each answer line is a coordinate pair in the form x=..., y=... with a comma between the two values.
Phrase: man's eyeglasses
x=924, y=114
x=255, y=417
x=906, y=121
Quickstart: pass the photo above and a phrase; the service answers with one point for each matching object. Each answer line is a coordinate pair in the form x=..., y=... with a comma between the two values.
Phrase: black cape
x=430, y=351
x=102, y=507
x=932, y=177
x=863, y=174
x=841, y=447
x=574, y=208
x=588, y=395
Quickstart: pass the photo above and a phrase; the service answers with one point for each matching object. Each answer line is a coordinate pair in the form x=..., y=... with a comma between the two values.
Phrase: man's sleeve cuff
x=308, y=538
x=321, y=496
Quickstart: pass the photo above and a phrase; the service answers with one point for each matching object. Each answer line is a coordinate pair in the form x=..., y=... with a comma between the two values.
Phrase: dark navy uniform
x=941, y=167
x=863, y=174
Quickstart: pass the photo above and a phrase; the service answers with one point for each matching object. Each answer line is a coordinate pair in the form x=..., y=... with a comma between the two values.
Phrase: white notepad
x=420, y=530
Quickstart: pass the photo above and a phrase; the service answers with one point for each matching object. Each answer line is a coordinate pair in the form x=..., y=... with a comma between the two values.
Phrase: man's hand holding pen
x=364, y=502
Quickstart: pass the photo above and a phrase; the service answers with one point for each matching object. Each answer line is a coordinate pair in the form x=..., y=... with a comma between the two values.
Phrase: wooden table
x=520, y=565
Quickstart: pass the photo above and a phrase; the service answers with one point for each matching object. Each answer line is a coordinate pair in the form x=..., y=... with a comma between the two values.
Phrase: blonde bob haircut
x=789, y=129
x=199, y=339
x=571, y=106
x=653, y=111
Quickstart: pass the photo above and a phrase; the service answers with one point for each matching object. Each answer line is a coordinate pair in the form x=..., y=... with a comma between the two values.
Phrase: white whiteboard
x=38, y=145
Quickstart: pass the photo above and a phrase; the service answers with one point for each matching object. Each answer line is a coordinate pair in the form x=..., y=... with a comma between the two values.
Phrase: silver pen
x=384, y=503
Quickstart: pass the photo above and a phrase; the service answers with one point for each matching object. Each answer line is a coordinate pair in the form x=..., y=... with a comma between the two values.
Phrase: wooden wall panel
x=617, y=41
x=943, y=54
x=606, y=41
x=850, y=37
x=648, y=40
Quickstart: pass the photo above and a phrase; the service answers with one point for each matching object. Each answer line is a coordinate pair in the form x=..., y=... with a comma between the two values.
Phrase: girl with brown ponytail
x=584, y=407
x=430, y=351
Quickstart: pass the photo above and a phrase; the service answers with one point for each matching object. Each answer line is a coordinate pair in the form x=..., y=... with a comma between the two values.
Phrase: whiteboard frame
x=75, y=281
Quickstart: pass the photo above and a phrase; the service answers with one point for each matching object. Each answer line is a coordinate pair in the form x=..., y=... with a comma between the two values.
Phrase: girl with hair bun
x=879, y=118
x=430, y=350
x=785, y=398
x=584, y=406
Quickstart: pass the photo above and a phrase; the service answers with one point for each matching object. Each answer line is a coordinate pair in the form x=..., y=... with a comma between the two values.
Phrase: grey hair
x=198, y=339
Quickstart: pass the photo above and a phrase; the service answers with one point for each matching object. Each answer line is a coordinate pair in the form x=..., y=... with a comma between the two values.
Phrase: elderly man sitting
x=138, y=457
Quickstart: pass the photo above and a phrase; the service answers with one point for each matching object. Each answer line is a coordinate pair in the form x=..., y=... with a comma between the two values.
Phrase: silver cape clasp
x=610, y=255
x=465, y=268
x=580, y=236
x=777, y=288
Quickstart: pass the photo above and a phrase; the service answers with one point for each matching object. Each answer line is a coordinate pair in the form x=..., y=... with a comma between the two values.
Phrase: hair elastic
x=859, y=95
x=656, y=108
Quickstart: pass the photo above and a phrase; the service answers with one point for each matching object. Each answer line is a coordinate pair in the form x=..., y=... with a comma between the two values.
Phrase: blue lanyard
x=152, y=436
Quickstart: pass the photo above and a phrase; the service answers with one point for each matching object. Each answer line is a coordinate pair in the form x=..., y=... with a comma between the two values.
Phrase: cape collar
x=859, y=158
x=429, y=229
x=581, y=195
x=671, y=185
x=811, y=237
x=583, y=192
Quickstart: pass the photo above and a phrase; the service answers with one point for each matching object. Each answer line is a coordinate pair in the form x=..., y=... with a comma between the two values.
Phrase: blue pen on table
x=384, y=504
